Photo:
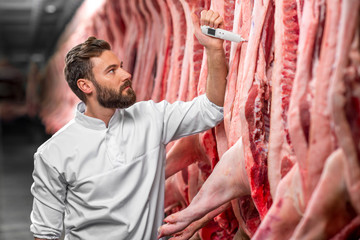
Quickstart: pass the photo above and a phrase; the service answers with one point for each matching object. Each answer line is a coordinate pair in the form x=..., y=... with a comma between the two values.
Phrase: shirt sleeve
x=187, y=118
x=49, y=191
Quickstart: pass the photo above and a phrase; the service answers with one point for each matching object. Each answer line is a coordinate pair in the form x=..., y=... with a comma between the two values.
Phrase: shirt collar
x=91, y=122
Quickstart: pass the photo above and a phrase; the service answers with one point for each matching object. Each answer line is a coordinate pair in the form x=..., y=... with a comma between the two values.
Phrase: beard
x=110, y=98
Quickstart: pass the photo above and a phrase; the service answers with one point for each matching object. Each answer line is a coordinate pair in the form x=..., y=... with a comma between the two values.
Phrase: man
x=102, y=174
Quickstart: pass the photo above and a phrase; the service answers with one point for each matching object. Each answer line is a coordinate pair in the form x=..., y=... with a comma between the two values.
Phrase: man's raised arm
x=217, y=67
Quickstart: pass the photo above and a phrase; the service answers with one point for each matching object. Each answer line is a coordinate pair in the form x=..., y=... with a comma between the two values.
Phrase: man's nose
x=126, y=75
x=129, y=76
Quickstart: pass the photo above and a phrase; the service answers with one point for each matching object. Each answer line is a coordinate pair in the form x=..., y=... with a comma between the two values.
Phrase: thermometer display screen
x=211, y=31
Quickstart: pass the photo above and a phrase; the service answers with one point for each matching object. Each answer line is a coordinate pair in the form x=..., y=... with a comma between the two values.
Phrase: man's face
x=112, y=83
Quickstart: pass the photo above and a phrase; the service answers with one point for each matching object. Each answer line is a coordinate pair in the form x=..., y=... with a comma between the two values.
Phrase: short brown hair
x=78, y=64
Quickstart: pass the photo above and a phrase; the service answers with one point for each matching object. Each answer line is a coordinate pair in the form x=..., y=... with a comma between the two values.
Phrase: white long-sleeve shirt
x=108, y=182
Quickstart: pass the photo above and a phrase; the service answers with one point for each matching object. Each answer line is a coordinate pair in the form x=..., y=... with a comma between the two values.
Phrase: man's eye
x=121, y=64
x=112, y=71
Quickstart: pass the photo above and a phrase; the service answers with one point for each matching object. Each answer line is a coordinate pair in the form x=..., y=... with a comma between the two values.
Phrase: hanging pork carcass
x=284, y=163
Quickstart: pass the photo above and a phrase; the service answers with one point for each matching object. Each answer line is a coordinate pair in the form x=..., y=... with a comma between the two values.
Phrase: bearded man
x=102, y=175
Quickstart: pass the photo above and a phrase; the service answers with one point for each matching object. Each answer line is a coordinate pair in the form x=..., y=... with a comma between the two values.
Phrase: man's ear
x=85, y=85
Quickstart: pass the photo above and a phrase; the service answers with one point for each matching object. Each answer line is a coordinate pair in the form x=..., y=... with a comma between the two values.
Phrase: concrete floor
x=19, y=140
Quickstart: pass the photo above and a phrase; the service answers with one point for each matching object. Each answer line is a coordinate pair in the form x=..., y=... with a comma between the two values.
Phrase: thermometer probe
x=222, y=34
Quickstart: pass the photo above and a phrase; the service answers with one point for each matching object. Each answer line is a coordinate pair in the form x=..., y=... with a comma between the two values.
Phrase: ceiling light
x=51, y=8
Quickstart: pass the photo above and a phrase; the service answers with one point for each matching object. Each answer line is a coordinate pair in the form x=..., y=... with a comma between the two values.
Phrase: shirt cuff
x=45, y=236
x=220, y=109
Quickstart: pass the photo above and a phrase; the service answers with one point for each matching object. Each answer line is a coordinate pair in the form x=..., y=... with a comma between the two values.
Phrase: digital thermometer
x=222, y=34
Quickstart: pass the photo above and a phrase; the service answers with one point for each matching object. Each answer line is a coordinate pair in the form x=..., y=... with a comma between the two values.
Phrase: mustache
x=126, y=84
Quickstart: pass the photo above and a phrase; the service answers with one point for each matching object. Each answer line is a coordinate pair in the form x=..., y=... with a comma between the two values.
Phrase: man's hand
x=211, y=19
